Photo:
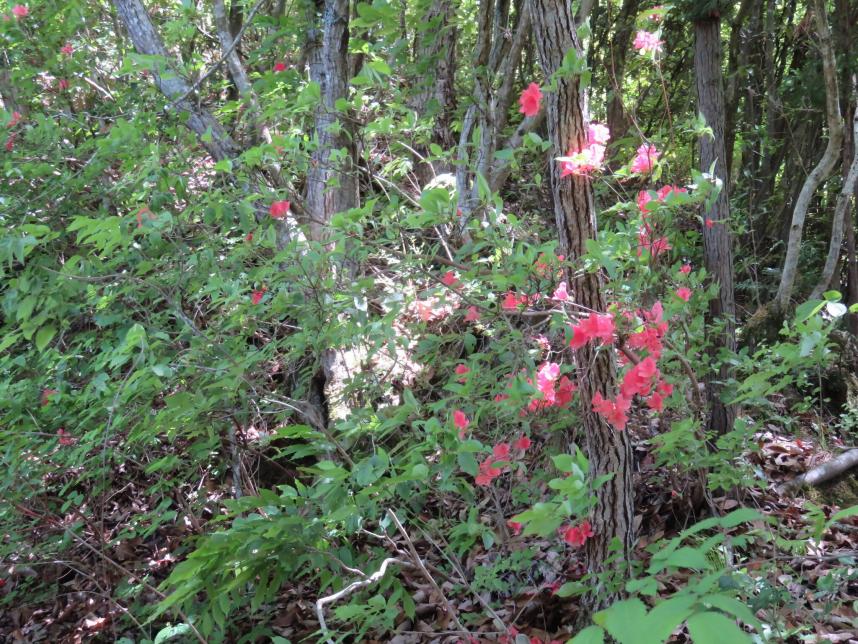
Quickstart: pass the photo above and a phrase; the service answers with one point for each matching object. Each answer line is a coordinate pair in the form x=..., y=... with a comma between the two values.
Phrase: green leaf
x=667, y=615
x=590, y=635
x=44, y=336
x=169, y=632
x=687, y=557
x=468, y=463
x=623, y=621
x=715, y=628
x=734, y=607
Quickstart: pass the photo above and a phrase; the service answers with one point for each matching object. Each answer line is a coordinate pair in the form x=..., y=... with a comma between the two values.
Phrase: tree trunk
x=826, y=163
x=608, y=450
x=147, y=41
x=618, y=120
x=717, y=239
x=331, y=182
x=842, y=215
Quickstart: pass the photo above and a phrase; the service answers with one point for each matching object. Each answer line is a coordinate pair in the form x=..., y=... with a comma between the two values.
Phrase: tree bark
x=842, y=215
x=717, y=239
x=826, y=164
x=331, y=182
x=147, y=41
x=608, y=450
x=617, y=119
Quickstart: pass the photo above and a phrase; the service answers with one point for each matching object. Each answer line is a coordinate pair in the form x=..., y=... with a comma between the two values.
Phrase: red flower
x=462, y=370
x=279, y=209
x=487, y=473
x=523, y=443
x=501, y=452
x=280, y=67
x=613, y=411
x=530, y=99
x=63, y=84
x=65, y=437
x=638, y=379
x=686, y=269
x=20, y=11
x=450, y=279
x=256, y=296
x=683, y=293
x=461, y=422
x=46, y=395
x=10, y=143
x=473, y=314
x=249, y=237
x=709, y=223
x=515, y=526
x=67, y=49
x=593, y=327
x=560, y=293
x=16, y=118
x=578, y=535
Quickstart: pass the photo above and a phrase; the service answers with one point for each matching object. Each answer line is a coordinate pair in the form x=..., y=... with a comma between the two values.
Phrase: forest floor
x=812, y=592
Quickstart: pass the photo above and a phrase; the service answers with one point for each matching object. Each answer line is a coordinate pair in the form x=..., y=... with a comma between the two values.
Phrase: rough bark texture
x=717, y=239
x=147, y=41
x=826, y=164
x=608, y=450
x=618, y=120
x=331, y=182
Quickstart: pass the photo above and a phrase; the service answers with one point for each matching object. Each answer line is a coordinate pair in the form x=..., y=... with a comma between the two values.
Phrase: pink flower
x=46, y=395
x=16, y=118
x=578, y=535
x=594, y=327
x=530, y=99
x=249, y=237
x=683, y=293
x=646, y=42
x=709, y=223
x=647, y=155
x=512, y=301
x=462, y=370
x=279, y=209
x=500, y=452
x=613, y=411
x=644, y=198
x=686, y=269
x=638, y=379
x=598, y=133
x=591, y=157
x=523, y=443
x=63, y=84
x=654, y=246
x=20, y=11
x=67, y=49
x=664, y=191
x=10, y=143
x=280, y=67
x=560, y=293
x=450, y=279
x=515, y=526
x=256, y=296
x=460, y=421
x=565, y=389
x=473, y=314
x=486, y=472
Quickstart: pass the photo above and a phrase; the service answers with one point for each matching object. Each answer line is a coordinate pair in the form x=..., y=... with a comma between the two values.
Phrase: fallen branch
x=822, y=473
x=352, y=587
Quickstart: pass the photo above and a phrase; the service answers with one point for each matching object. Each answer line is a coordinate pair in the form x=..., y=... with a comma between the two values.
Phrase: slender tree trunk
x=608, y=450
x=147, y=41
x=717, y=239
x=618, y=120
x=331, y=182
x=842, y=215
x=826, y=164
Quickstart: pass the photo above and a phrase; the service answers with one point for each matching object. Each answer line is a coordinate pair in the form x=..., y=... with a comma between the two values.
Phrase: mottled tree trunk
x=717, y=239
x=608, y=450
x=822, y=169
x=331, y=182
x=147, y=41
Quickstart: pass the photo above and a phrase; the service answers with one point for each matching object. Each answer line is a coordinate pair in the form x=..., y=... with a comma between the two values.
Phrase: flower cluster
x=595, y=327
x=590, y=158
x=530, y=100
x=647, y=42
x=500, y=460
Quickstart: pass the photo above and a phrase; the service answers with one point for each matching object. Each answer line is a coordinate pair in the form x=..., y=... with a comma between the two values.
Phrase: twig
x=355, y=585
x=419, y=563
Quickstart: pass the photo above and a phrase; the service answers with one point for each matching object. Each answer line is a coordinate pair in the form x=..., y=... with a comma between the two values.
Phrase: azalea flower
x=515, y=526
x=63, y=84
x=450, y=279
x=560, y=293
x=256, y=296
x=578, y=535
x=683, y=293
x=280, y=67
x=487, y=473
x=46, y=395
x=523, y=443
x=647, y=155
x=67, y=49
x=16, y=118
x=709, y=223
x=686, y=269
x=613, y=411
x=473, y=314
x=638, y=379
x=279, y=209
x=20, y=11
x=647, y=42
x=462, y=371
x=460, y=420
x=65, y=438
x=530, y=99
x=596, y=326
x=591, y=157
